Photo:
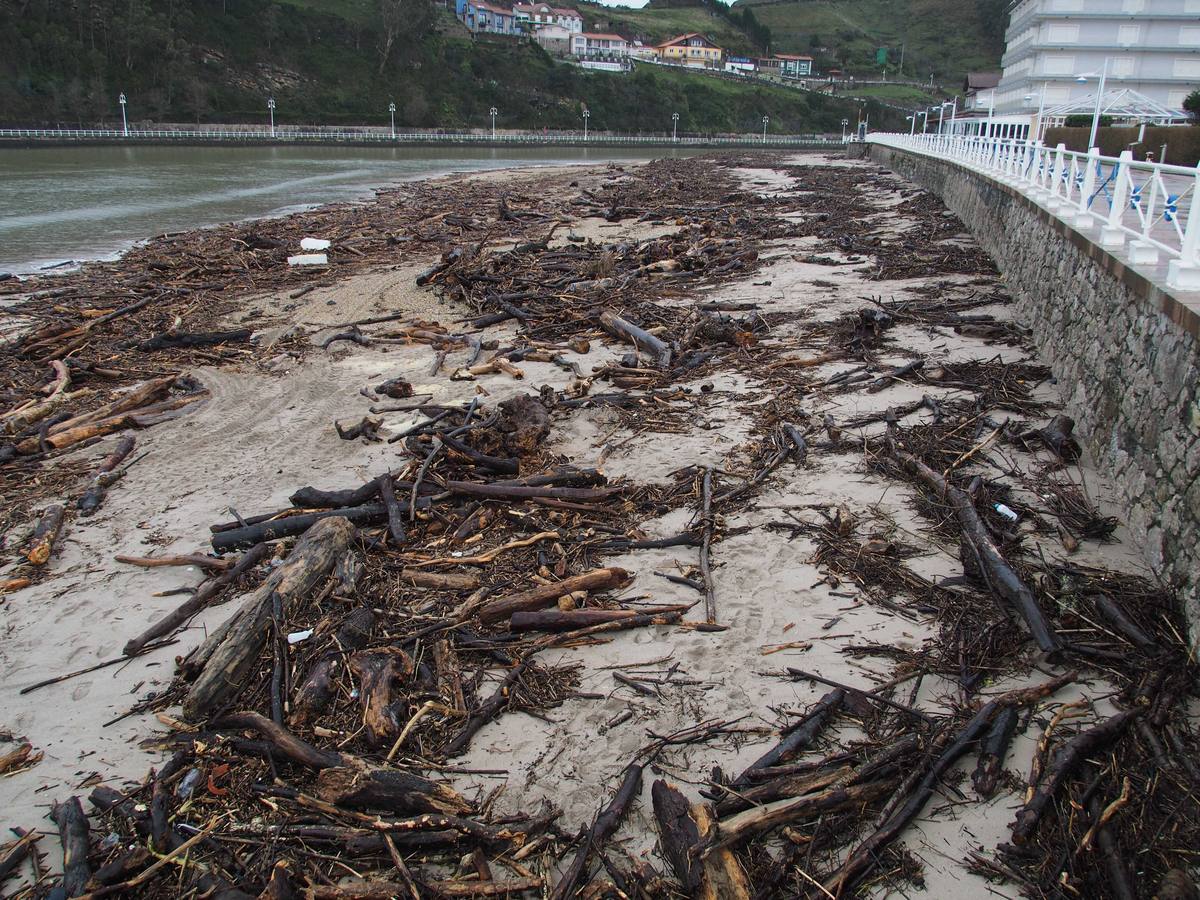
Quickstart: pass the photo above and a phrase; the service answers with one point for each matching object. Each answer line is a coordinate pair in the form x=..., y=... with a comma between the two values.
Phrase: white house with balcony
x=1057, y=50
x=531, y=16
x=591, y=45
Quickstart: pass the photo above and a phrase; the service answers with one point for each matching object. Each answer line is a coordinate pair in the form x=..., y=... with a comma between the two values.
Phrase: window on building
x=1133, y=6
x=1062, y=34
x=1186, y=67
x=1128, y=35
x=1058, y=65
x=1122, y=66
x=1189, y=36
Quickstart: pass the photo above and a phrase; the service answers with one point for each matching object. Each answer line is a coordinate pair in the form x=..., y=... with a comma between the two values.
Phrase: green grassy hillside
x=323, y=61
x=945, y=38
x=655, y=25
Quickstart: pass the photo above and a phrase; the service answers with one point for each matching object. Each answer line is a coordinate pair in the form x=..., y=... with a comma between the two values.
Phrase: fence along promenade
x=383, y=137
x=1143, y=209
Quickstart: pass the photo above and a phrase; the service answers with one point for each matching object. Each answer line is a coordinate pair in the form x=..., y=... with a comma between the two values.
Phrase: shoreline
x=822, y=558
x=353, y=193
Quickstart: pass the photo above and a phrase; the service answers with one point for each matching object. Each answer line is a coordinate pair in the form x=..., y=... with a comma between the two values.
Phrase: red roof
x=684, y=37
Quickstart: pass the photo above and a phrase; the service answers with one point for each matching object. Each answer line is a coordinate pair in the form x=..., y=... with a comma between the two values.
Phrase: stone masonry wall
x=1126, y=355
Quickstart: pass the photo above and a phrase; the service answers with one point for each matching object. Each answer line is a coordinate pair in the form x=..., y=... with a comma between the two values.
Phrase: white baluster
x=1183, y=274
x=1085, y=218
x=1141, y=251
x=1054, y=201
x=1111, y=235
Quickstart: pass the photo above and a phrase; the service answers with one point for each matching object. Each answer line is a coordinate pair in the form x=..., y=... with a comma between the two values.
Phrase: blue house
x=487, y=18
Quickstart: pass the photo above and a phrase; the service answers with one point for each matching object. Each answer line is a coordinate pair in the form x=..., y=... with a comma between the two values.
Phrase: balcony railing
x=1146, y=210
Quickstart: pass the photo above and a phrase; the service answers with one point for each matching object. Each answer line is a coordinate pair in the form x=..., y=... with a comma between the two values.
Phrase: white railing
x=1143, y=209
x=383, y=137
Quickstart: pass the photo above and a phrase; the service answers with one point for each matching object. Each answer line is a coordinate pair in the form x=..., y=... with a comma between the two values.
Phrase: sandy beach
x=783, y=594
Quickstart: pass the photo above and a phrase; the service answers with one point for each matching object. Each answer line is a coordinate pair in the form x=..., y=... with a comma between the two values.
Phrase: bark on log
x=1001, y=579
x=1066, y=760
x=235, y=649
x=569, y=620
x=390, y=790
x=678, y=835
x=722, y=875
x=545, y=595
x=316, y=690
x=605, y=824
x=1110, y=852
x=46, y=532
x=73, y=831
x=658, y=352
x=761, y=818
x=378, y=672
x=315, y=498
x=798, y=738
x=104, y=477
x=440, y=581
x=517, y=491
x=865, y=856
x=992, y=752
x=284, y=742
x=1125, y=626
x=395, y=512
x=194, y=339
x=197, y=602
x=224, y=541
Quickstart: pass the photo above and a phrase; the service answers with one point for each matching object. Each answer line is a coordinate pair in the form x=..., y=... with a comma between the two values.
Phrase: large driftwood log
x=992, y=752
x=678, y=835
x=722, y=876
x=316, y=690
x=73, y=831
x=1001, y=579
x=368, y=514
x=546, y=594
x=797, y=738
x=234, y=649
x=555, y=620
x=45, y=534
x=761, y=818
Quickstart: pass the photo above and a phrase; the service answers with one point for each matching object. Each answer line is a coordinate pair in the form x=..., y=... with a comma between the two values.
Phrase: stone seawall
x=1125, y=352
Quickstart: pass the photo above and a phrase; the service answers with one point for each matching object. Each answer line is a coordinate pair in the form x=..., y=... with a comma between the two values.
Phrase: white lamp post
x=912, y=124
x=674, y=127
x=492, y=112
x=1082, y=79
x=392, y=113
x=1037, y=129
x=942, y=115
x=924, y=114
x=124, y=121
x=766, y=119
x=991, y=110
x=271, y=110
x=845, y=122
x=586, y=115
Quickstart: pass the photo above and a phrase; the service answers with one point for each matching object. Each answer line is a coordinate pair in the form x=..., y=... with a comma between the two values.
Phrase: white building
x=553, y=38
x=1151, y=46
x=606, y=46
x=532, y=15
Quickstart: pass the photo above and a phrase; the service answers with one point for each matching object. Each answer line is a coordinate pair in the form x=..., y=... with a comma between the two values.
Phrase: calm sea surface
x=80, y=203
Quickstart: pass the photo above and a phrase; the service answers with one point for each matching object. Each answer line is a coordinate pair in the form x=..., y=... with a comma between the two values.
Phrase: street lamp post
x=392, y=113
x=766, y=119
x=845, y=122
x=674, y=127
x=1082, y=79
x=991, y=110
x=1037, y=129
x=493, y=112
x=586, y=115
x=124, y=121
x=924, y=114
x=912, y=124
x=271, y=110
x=942, y=115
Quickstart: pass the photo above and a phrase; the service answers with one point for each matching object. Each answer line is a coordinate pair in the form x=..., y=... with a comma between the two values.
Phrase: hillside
x=945, y=38
x=343, y=61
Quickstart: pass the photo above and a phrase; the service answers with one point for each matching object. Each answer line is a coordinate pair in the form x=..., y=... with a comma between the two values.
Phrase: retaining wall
x=1125, y=352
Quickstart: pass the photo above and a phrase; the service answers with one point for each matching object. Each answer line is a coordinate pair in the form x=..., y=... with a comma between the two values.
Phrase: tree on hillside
x=402, y=20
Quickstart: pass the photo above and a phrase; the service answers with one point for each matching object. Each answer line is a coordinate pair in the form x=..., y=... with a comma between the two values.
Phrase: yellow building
x=690, y=50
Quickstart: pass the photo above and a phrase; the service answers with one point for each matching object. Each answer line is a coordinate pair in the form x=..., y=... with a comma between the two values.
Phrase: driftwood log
x=378, y=673
x=105, y=475
x=73, y=831
x=982, y=554
x=45, y=534
x=389, y=790
x=547, y=594
x=656, y=350
x=604, y=825
x=233, y=649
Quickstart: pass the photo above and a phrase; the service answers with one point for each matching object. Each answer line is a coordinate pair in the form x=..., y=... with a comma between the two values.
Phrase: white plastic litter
x=309, y=259
x=314, y=244
x=297, y=636
x=1006, y=512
